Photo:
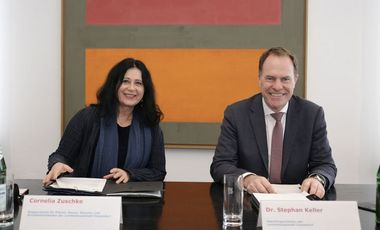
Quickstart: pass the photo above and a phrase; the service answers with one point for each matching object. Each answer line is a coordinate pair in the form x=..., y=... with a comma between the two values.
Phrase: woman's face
x=131, y=89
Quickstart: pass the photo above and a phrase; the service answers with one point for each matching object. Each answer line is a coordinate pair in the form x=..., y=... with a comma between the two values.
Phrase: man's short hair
x=278, y=51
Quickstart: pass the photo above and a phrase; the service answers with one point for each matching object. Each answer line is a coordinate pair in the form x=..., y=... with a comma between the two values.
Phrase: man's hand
x=257, y=184
x=118, y=174
x=57, y=169
x=313, y=186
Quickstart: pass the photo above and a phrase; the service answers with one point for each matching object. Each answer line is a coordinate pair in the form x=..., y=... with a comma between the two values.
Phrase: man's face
x=277, y=81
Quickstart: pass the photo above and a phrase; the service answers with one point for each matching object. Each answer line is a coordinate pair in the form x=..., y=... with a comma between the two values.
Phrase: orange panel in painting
x=192, y=85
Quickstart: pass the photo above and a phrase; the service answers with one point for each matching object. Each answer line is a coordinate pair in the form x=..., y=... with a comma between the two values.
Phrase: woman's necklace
x=124, y=121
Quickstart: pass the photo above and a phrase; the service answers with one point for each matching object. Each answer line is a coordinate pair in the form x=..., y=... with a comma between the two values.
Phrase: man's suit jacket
x=242, y=145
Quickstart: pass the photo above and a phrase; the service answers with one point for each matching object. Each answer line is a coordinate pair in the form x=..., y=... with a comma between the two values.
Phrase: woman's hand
x=57, y=169
x=119, y=175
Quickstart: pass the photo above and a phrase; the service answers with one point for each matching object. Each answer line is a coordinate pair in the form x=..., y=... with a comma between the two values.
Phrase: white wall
x=188, y=164
x=4, y=77
x=370, y=84
x=34, y=68
x=342, y=70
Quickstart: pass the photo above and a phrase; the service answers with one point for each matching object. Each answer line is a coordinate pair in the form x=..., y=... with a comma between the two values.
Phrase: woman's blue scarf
x=106, y=152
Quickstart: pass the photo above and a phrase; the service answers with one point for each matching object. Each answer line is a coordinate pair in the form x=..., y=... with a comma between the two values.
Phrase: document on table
x=286, y=188
x=80, y=184
x=135, y=189
x=283, y=192
x=96, y=186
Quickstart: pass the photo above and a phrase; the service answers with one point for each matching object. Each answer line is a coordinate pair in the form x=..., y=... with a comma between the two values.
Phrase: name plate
x=308, y=215
x=71, y=212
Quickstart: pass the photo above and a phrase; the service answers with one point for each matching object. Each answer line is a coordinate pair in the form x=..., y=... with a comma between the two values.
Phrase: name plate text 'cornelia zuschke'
x=72, y=212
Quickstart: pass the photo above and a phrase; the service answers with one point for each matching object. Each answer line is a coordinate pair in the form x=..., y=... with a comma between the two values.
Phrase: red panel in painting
x=184, y=12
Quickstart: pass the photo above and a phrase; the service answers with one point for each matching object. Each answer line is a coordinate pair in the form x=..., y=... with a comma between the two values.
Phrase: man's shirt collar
x=268, y=111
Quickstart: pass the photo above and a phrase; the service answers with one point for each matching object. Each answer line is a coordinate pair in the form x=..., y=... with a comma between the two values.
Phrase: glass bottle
x=3, y=167
x=3, y=176
x=378, y=198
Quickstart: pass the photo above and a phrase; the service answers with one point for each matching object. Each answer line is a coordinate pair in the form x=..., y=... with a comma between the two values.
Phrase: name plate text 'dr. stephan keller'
x=308, y=215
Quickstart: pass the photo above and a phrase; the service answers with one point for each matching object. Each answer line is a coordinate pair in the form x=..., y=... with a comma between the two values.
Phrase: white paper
x=80, y=183
x=23, y=191
x=308, y=215
x=71, y=212
x=286, y=188
x=285, y=196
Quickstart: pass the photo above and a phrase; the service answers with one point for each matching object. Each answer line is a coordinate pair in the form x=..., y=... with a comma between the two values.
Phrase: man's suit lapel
x=258, y=125
x=290, y=132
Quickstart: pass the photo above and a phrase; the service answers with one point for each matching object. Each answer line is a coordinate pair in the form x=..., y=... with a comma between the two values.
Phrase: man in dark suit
x=245, y=142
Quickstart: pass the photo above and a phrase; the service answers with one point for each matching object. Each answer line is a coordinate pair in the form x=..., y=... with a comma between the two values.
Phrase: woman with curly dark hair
x=119, y=137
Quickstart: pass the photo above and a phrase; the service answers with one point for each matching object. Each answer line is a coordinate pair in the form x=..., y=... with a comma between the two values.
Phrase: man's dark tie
x=276, y=153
